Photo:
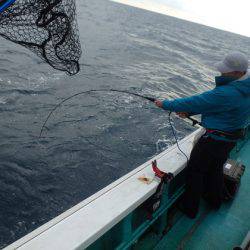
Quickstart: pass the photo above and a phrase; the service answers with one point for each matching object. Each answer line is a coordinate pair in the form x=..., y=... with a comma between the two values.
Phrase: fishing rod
x=151, y=99
x=86, y=92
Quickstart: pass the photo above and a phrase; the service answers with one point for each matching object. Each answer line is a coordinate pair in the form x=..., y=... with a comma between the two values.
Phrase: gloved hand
x=158, y=103
x=182, y=114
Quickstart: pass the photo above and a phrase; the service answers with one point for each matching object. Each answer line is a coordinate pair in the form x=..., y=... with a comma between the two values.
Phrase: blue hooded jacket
x=224, y=108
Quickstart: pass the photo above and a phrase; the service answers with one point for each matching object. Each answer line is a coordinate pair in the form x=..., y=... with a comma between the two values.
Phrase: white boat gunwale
x=100, y=220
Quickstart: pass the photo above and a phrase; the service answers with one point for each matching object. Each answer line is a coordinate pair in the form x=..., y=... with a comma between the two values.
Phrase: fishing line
x=194, y=122
x=175, y=136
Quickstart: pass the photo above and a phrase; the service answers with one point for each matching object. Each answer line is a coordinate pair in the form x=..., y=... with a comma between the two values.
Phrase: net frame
x=48, y=28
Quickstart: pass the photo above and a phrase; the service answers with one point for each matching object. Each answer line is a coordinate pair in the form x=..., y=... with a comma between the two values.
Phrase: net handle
x=4, y=4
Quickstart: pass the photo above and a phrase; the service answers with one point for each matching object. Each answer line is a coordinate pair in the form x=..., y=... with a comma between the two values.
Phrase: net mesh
x=48, y=28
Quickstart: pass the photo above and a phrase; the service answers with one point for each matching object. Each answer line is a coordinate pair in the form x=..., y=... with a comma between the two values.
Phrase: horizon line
x=172, y=12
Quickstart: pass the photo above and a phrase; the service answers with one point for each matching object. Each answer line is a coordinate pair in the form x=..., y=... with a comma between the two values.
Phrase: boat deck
x=222, y=229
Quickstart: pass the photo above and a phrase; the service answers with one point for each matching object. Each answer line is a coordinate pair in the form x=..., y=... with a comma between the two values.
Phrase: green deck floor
x=222, y=229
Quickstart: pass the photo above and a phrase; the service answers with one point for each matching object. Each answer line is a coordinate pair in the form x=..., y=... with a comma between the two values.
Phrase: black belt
x=231, y=135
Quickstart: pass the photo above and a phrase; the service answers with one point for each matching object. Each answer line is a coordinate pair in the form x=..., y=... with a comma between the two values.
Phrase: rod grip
x=150, y=99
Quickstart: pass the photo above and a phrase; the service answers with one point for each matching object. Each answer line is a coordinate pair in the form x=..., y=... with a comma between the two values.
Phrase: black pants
x=205, y=173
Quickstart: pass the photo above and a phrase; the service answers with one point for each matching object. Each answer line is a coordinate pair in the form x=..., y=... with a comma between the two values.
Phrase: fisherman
x=225, y=114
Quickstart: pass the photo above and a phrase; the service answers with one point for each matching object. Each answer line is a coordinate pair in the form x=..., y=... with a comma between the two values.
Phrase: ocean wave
x=94, y=139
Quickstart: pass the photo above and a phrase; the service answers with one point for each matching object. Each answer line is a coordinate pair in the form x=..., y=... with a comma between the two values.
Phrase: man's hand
x=158, y=103
x=182, y=114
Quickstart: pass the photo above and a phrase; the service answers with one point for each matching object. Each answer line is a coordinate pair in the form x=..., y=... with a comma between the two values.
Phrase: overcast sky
x=227, y=15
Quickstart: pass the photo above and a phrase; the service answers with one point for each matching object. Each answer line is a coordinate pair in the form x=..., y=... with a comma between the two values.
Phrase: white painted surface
x=84, y=223
x=228, y=166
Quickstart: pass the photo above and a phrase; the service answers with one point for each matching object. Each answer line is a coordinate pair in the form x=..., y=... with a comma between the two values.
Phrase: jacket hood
x=243, y=84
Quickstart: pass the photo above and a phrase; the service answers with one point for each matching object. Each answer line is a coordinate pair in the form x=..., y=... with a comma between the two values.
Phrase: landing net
x=46, y=27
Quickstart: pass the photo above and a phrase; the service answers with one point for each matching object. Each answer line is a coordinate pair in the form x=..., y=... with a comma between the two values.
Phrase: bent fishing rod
x=151, y=99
